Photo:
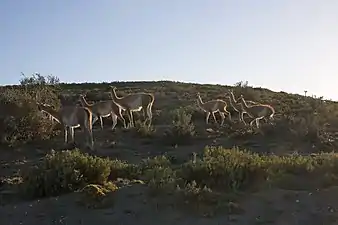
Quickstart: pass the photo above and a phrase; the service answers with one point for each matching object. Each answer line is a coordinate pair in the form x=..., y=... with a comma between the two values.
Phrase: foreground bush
x=65, y=171
x=234, y=169
x=20, y=119
x=217, y=171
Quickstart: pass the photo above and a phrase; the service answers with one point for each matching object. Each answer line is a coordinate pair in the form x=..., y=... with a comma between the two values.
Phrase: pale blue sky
x=289, y=45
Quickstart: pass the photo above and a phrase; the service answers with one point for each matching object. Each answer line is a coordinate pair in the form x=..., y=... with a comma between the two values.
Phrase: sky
x=283, y=45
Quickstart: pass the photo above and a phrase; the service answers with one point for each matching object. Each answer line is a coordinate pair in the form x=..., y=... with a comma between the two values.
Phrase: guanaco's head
x=113, y=88
x=240, y=98
x=231, y=92
x=226, y=95
x=43, y=106
x=39, y=106
x=81, y=97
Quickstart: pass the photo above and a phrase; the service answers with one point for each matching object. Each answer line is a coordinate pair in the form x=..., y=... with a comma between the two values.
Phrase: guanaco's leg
x=239, y=117
x=242, y=115
x=223, y=117
x=101, y=122
x=150, y=114
x=131, y=119
x=229, y=115
x=114, y=118
x=257, y=122
x=88, y=131
x=213, y=115
x=207, y=118
x=72, y=134
x=123, y=120
x=66, y=134
x=251, y=123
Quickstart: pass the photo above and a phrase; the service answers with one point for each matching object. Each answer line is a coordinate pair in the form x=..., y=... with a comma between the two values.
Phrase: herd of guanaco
x=86, y=114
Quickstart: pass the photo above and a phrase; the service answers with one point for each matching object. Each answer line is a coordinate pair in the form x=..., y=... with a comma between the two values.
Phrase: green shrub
x=120, y=169
x=182, y=129
x=234, y=169
x=143, y=130
x=226, y=169
x=159, y=174
x=20, y=119
x=66, y=171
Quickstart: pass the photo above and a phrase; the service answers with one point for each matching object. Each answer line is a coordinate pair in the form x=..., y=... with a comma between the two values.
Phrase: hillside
x=302, y=124
x=275, y=180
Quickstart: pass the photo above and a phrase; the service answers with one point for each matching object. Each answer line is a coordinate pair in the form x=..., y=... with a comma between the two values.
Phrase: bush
x=144, y=130
x=234, y=169
x=159, y=174
x=225, y=169
x=21, y=120
x=182, y=129
x=64, y=172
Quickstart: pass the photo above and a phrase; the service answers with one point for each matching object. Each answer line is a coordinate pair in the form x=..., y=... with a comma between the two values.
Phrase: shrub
x=234, y=169
x=120, y=169
x=159, y=174
x=143, y=130
x=64, y=172
x=21, y=120
x=182, y=129
x=225, y=169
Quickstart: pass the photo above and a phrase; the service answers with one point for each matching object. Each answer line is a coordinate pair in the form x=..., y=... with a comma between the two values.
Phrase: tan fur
x=135, y=102
x=50, y=117
x=237, y=105
x=257, y=112
x=104, y=109
x=213, y=106
x=72, y=117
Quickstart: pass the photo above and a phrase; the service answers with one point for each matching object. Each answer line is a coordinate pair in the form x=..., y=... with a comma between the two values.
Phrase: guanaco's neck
x=232, y=103
x=232, y=98
x=114, y=96
x=199, y=101
x=84, y=101
x=244, y=103
x=51, y=111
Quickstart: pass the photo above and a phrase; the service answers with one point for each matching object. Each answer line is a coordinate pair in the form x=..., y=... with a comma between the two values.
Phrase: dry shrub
x=21, y=121
x=182, y=129
x=67, y=171
x=234, y=169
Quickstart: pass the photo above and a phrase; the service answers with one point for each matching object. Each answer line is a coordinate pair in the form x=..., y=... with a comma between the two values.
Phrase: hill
x=303, y=124
x=178, y=156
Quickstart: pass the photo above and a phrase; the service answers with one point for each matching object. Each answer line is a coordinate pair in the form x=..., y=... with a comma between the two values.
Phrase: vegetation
x=237, y=159
x=21, y=121
x=219, y=172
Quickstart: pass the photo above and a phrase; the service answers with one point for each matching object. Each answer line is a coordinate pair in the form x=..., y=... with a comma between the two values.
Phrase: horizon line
x=176, y=81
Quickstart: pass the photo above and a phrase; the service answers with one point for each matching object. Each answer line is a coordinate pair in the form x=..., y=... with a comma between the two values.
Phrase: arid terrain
x=286, y=175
